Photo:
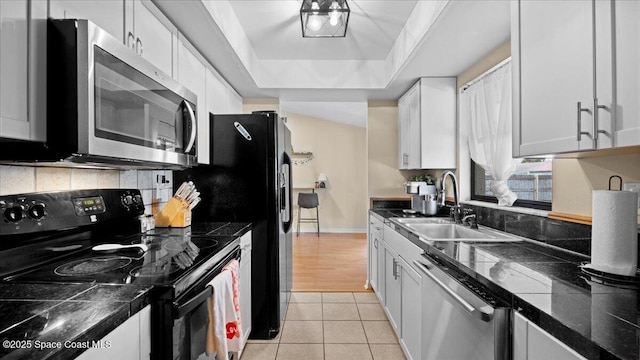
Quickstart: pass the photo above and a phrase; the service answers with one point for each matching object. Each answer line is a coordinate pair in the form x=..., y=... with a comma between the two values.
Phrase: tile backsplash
x=27, y=179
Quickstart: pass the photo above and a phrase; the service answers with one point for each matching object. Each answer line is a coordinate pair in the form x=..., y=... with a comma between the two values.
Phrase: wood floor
x=331, y=262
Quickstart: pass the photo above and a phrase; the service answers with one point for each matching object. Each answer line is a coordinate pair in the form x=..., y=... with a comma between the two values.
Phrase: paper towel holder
x=606, y=278
x=619, y=178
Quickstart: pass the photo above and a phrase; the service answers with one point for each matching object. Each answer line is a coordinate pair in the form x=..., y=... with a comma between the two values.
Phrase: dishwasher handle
x=477, y=313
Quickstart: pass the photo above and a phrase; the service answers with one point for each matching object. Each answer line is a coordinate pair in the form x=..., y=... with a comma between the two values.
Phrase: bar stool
x=308, y=201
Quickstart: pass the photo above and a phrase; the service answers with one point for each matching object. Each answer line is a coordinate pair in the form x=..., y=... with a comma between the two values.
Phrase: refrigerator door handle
x=285, y=191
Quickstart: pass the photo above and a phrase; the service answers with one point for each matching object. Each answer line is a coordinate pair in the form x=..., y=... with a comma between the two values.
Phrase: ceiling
x=373, y=28
x=257, y=46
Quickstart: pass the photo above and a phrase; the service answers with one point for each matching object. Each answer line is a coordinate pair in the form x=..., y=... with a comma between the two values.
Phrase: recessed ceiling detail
x=256, y=45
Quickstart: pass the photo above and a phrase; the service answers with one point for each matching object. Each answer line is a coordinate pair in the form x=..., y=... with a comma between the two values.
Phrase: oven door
x=191, y=317
x=133, y=110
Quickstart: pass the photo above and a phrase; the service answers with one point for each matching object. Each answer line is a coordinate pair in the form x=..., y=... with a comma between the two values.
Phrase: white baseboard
x=334, y=230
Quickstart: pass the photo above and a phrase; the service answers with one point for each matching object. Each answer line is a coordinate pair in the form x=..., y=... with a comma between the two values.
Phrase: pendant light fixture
x=324, y=18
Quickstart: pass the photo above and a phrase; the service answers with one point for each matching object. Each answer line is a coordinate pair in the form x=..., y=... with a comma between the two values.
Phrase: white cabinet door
x=245, y=286
x=234, y=101
x=374, y=245
x=14, y=120
x=145, y=333
x=192, y=74
x=409, y=128
x=411, y=305
x=552, y=51
x=216, y=93
x=530, y=342
x=392, y=288
x=381, y=278
x=438, y=123
x=124, y=342
x=403, y=131
x=107, y=14
x=153, y=40
x=618, y=43
x=413, y=128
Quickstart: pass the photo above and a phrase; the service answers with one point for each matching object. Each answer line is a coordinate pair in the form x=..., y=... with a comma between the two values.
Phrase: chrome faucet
x=470, y=218
x=455, y=210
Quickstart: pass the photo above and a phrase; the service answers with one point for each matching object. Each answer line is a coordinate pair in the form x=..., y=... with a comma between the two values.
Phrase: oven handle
x=477, y=313
x=195, y=301
x=205, y=294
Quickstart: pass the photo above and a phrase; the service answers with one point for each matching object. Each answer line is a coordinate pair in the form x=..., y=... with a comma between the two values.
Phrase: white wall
x=339, y=152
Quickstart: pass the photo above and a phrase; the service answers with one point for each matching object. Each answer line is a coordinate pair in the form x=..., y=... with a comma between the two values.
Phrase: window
x=531, y=181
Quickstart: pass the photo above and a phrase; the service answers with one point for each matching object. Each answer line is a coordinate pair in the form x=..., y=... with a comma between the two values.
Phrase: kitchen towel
x=614, y=234
x=223, y=330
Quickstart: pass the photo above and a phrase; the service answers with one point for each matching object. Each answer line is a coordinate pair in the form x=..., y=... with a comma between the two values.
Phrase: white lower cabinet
x=392, y=288
x=410, y=311
x=245, y=287
x=532, y=343
x=130, y=340
x=374, y=239
x=381, y=283
x=401, y=286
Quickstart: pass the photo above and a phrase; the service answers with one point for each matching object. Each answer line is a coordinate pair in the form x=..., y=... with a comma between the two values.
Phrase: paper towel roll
x=614, y=234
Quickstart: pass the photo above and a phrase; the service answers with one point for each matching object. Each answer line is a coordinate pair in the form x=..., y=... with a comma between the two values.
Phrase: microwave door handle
x=194, y=302
x=192, y=119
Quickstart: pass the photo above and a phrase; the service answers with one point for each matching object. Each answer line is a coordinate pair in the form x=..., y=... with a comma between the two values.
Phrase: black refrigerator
x=249, y=180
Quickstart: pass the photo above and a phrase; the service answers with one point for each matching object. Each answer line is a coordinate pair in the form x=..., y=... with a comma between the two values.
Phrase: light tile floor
x=330, y=326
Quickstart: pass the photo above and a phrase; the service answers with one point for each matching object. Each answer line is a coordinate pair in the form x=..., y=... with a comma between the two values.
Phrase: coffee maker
x=424, y=197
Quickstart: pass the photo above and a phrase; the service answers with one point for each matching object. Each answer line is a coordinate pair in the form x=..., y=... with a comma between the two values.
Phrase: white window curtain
x=486, y=107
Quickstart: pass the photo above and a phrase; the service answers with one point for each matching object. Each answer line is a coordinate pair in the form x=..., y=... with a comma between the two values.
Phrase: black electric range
x=50, y=238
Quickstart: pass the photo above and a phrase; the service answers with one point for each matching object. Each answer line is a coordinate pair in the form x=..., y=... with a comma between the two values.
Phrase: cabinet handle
x=596, y=124
x=406, y=160
x=138, y=46
x=130, y=37
x=395, y=269
x=580, y=132
x=375, y=243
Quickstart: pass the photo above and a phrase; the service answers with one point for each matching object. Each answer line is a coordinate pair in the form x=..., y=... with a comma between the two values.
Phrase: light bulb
x=315, y=6
x=334, y=15
x=314, y=23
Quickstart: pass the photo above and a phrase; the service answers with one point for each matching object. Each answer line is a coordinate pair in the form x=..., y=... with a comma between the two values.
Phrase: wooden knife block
x=175, y=213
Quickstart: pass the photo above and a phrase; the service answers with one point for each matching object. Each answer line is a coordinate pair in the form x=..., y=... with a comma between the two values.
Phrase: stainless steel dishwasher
x=459, y=319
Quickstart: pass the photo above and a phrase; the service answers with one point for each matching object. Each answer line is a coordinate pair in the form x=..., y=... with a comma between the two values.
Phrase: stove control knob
x=36, y=211
x=13, y=214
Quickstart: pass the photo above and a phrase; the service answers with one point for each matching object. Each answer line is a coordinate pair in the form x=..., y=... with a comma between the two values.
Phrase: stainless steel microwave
x=108, y=105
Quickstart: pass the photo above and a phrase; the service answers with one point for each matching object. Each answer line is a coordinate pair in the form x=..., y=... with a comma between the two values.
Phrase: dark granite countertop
x=547, y=286
x=35, y=316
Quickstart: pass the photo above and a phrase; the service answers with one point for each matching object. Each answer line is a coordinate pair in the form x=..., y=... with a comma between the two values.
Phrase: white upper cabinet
x=234, y=101
x=151, y=35
x=107, y=14
x=564, y=79
x=617, y=71
x=409, y=128
x=216, y=93
x=137, y=23
x=23, y=69
x=192, y=74
x=427, y=125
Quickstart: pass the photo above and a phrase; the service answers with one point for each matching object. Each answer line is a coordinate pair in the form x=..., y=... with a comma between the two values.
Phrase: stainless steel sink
x=423, y=220
x=443, y=229
x=448, y=231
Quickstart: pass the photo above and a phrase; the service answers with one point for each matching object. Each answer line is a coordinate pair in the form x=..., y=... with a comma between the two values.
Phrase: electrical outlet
x=635, y=187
